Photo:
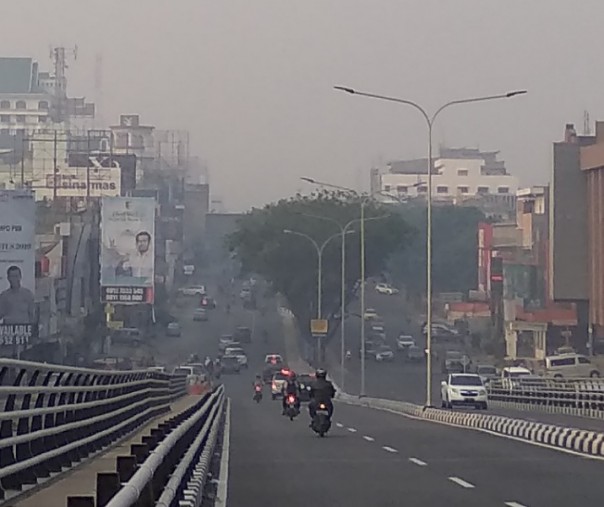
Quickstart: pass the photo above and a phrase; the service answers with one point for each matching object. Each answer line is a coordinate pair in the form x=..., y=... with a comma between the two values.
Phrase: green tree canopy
x=454, y=249
x=289, y=262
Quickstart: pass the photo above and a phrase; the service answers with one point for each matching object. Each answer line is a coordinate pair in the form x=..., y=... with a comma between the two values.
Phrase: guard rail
x=56, y=416
x=582, y=397
x=170, y=467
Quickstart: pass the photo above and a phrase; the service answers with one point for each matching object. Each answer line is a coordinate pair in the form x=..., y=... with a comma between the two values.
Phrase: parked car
x=456, y=362
x=384, y=354
x=370, y=313
x=404, y=341
x=513, y=376
x=384, y=288
x=200, y=315
x=173, y=329
x=193, y=290
x=570, y=366
x=230, y=364
x=463, y=389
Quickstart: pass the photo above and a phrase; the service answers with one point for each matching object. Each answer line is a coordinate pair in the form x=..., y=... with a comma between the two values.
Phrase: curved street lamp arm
x=475, y=99
x=326, y=219
x=295, y=233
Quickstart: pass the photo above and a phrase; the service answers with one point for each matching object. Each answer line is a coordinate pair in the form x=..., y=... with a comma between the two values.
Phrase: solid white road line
x=369, y=439
x=389, y=449
x=223, y=483
x=514, y=504
x=352, y=430
x=461, y=482
x=339, y=425
x=418, y=462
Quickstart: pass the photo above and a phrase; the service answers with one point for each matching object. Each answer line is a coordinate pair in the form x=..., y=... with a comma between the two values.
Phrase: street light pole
x=362, y=390
x=430, y=124
x=320, y=249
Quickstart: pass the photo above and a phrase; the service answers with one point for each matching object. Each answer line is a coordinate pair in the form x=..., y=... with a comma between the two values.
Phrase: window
x=42, y=119
x=21, y=104
x=503, y=190
x=387, y=188
x=5, y=104
x=583, y=360
x=422, y=189
x=20, y=119
x=43, y=105
x=567, y=361
x=482, y=190
x=5, y=118
x=442, y=190
x=121, y=140
x=463, y=190
x=462, y=172
x=137, y=141
x=401, y=189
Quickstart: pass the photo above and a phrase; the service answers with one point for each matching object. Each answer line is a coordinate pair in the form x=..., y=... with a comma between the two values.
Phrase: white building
x=459, y=174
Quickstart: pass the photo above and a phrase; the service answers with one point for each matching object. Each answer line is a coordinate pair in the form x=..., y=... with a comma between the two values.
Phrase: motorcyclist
x=258, y=382
x=348, y=354
x=321, y=391
x=291, y=388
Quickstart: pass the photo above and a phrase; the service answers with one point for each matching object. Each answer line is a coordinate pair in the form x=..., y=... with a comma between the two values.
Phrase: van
x=570, y=365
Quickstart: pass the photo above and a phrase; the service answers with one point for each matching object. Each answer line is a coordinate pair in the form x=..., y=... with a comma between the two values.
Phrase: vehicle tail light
x=322, y=406
x=291, y=398
x=274, y=385
x=258, y=389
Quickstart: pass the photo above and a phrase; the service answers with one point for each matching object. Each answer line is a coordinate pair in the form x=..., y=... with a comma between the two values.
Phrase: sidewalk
x=82, y=480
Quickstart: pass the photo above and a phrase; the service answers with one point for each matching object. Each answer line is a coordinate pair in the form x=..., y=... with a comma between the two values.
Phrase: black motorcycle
x=321, y=421
x=291, y=407
x=257, y=394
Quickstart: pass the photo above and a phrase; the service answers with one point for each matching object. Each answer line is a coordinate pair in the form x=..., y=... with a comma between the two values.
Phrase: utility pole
x=55, y=169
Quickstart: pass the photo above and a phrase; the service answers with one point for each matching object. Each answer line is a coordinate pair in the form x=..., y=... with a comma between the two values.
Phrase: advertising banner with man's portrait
x=127, y=249
x=17, y=258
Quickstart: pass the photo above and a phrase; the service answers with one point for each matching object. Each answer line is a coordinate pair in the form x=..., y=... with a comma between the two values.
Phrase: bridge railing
x=583, y=397
x=54, y=416
x=172, y=465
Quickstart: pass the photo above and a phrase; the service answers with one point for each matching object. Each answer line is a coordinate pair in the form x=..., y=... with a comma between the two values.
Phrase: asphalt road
x=371, y=457
x=400, y=380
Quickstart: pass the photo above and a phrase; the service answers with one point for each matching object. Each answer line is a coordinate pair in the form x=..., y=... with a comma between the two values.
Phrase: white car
x=512, y=376
x=404, y=341
x=239, y=353
x=225, y=341
x=193, y=290
x=277, y=384
x=463, y=389
x=384, y=288
x=370, y=313
x=384, y=354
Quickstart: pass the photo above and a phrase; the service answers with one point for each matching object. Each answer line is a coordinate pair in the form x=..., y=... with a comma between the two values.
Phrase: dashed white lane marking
x=389, y=449
x=369, y=439
x=352, y=430
x=339, y=425
x=418, y=462
x=514, y=504
x=461, y=482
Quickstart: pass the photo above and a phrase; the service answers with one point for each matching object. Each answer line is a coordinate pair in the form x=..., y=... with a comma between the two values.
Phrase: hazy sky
x=252, y=79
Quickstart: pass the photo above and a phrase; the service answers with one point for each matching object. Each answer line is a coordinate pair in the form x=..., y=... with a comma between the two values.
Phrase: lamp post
x=362, y=277
x=319, y=249
x=430, y=119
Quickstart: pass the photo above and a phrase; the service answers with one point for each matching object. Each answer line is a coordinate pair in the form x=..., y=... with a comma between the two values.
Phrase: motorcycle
x=291, y=407
x=257, y=394
x=321, y=421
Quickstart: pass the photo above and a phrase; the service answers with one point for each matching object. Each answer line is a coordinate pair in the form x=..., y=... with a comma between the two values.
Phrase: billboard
x=17, y=260
x=95, y=175
x=127, y=249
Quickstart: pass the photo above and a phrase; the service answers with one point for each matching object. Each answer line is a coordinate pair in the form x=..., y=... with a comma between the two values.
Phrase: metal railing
x=584, y=397
x=170, y=465
x=55, y=416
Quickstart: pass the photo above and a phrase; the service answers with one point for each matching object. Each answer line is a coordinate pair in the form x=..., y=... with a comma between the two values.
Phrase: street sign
x=318, y=327
x=115, y=324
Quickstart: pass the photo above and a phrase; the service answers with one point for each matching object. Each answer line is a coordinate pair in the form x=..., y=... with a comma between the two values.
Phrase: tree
x=454, y=249
x=289, y=262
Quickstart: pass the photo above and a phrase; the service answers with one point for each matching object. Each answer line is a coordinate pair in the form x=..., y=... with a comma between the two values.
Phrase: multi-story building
x=577, y=225
x=461, y=176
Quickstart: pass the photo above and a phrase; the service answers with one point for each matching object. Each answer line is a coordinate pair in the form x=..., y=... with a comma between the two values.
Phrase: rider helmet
x=321, y=373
